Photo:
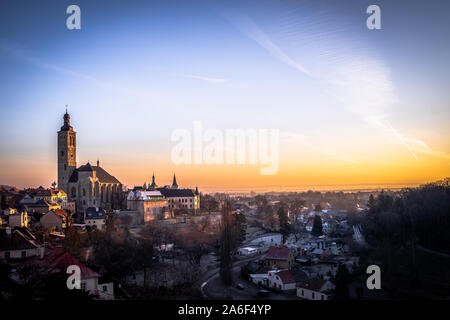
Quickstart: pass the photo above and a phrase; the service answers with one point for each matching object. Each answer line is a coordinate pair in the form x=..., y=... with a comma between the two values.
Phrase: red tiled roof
x=61, y=260
x=286, y=276
x=278, y=253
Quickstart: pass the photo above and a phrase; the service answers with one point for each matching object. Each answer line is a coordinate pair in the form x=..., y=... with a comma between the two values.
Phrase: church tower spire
x=174, y=183
x=153, y=185
x=67, y=155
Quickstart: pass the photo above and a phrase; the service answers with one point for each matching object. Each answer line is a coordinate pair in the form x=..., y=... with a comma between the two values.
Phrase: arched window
x=73, y=192
x=84, y=192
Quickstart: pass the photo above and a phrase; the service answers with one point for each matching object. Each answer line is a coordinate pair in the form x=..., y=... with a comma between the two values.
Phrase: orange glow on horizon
x=319, y=173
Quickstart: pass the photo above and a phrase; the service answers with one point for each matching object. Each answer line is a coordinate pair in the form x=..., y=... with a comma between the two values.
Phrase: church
x=87, y=185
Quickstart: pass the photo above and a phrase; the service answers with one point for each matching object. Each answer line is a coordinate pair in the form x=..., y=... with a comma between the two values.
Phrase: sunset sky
x=353, y=106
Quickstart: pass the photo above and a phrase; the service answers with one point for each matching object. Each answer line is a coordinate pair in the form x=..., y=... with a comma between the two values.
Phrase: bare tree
x=226, y=245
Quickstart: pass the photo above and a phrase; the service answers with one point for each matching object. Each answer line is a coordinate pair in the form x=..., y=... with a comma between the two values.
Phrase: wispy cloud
x=207, y=79
x=403, y=141
x=252, y=30
x=20, y=53
x=358, y=81
x=25, y=56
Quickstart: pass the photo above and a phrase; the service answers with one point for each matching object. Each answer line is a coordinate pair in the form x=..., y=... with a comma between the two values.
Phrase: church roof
x=144, y=195
x=86, y=167
x=167, y=192
x=74, y=176
x=102, y=175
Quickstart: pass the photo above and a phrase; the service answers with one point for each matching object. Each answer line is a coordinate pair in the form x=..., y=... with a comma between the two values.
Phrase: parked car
x=240, y=286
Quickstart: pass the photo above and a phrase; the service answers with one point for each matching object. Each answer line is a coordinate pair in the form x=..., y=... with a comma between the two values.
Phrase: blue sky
x=137, y=70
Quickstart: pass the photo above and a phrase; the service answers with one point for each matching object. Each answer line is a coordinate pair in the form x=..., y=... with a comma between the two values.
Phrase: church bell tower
x=67, y=153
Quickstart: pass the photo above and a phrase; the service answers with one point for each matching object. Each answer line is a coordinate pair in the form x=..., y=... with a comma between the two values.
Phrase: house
x=95, y=217
x=42, y=206
x=50, y=195
x=57, y=261
x=283, y=280
x=105, y=288
x=57, y=219
x=150, y=204
x=176, y=198
x=18, y=219
x=18, y=243
x=186, y=199
x=14, y=219
x=315, y=289
x=279, y=257
x=10, y=196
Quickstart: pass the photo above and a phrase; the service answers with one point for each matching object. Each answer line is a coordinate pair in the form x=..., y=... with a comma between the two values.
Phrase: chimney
x=98, y=163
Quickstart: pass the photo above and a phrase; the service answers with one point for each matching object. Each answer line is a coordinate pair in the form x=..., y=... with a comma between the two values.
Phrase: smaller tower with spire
x=153, y=185
x=174, y=183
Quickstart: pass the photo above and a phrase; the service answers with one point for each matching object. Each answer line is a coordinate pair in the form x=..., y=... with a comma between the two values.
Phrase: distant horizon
x=282, y=189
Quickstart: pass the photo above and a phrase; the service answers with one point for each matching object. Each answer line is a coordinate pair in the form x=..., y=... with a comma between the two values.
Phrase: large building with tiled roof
x=87, y=185
x=179, y=198
x=174, y=199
